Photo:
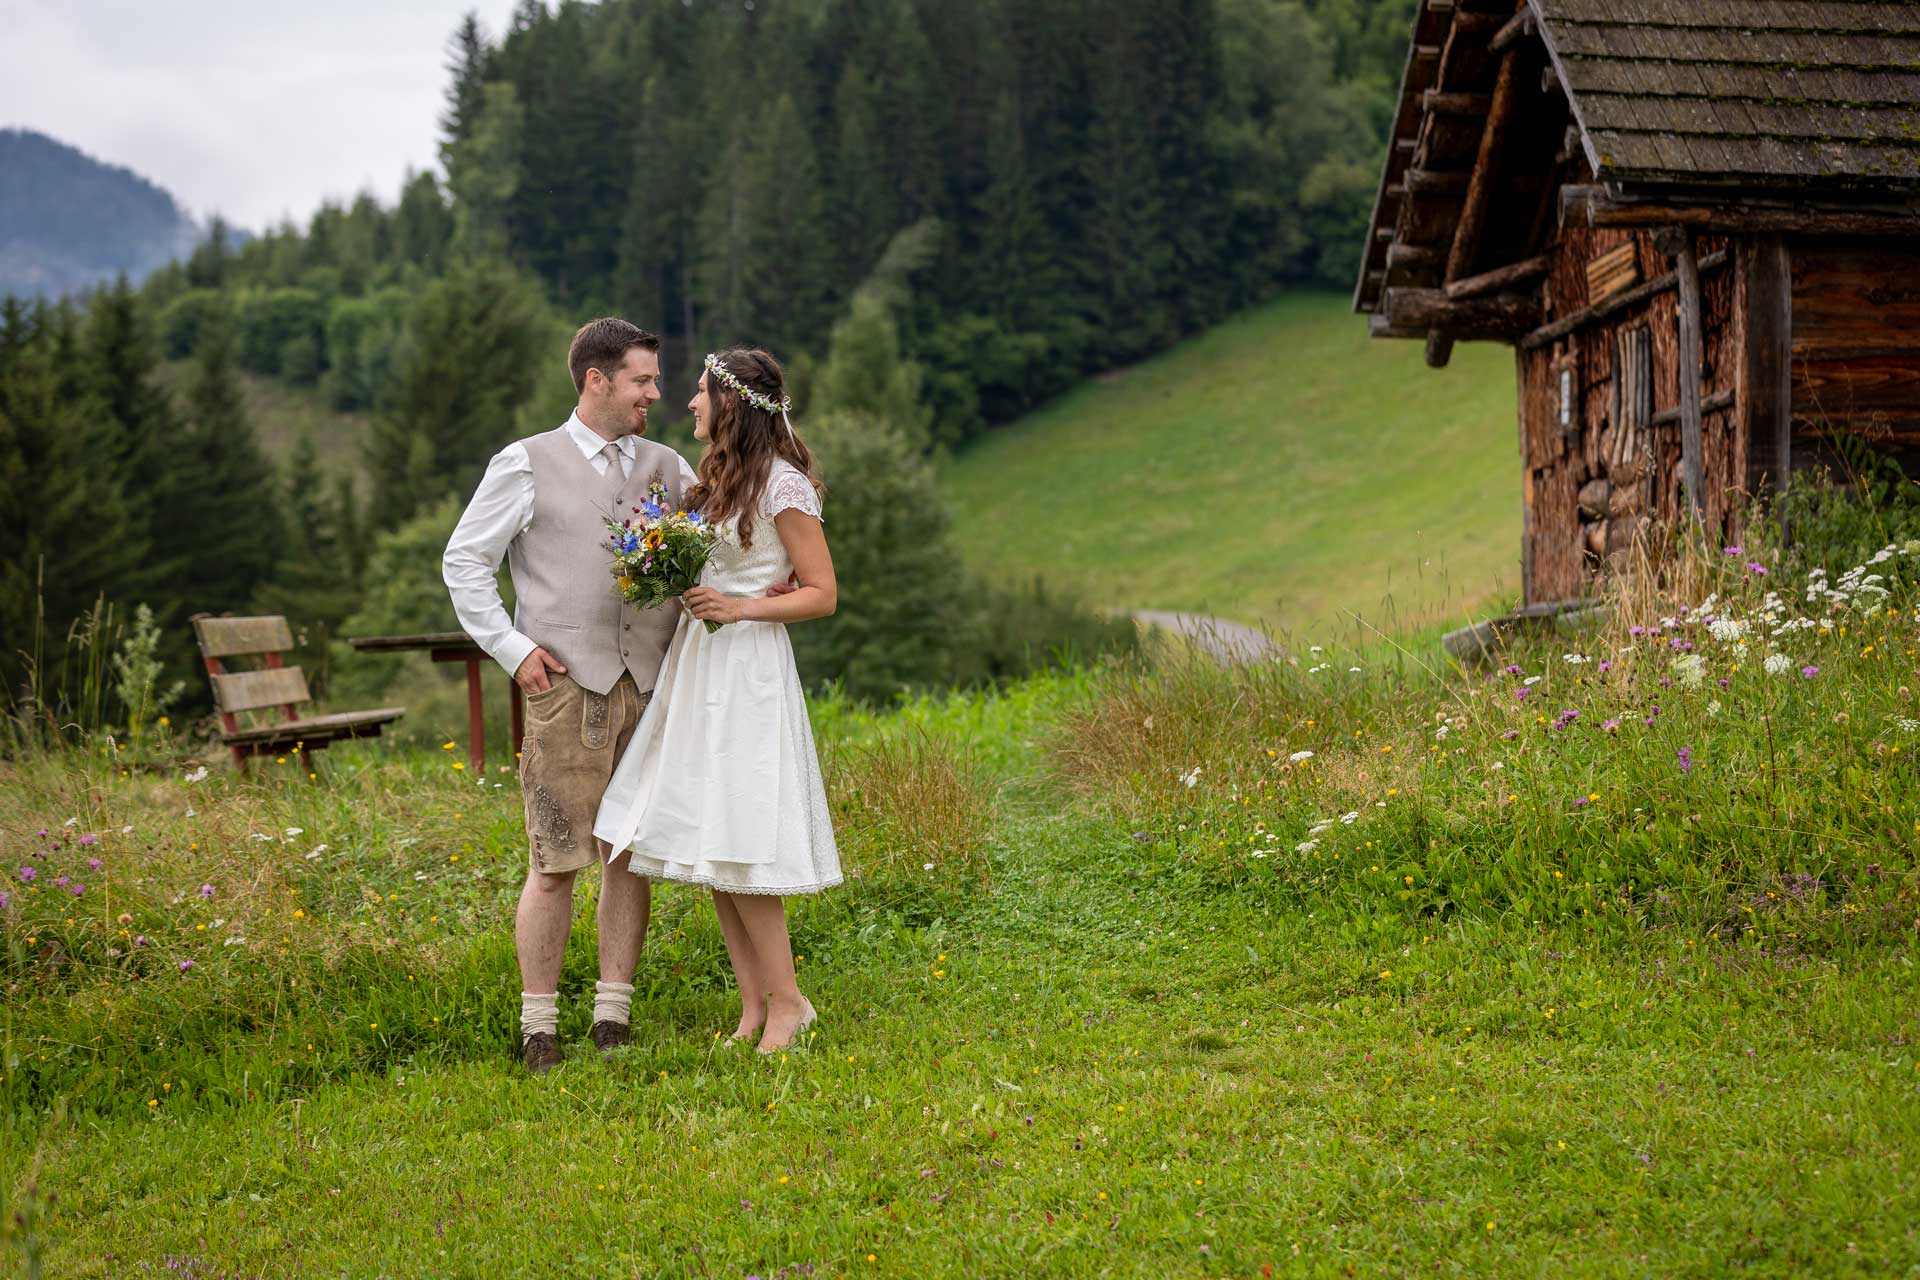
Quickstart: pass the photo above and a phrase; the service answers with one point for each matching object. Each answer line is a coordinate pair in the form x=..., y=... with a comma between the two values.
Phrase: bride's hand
x=709, y=605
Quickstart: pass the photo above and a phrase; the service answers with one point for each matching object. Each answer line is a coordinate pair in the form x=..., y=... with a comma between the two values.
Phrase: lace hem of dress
x=789, y=490
x=709, y=882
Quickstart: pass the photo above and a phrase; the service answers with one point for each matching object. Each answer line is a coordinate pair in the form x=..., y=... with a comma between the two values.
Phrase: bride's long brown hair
x=743, y=441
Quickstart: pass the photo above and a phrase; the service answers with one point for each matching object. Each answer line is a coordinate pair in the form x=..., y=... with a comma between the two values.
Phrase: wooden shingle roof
x=1802, y=105
x=1783, y=94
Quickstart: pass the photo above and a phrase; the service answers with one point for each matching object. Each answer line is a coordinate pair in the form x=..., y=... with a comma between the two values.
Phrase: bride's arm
x=806, y=543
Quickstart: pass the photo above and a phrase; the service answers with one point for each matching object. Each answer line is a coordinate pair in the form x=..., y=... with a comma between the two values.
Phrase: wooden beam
x=1465, y=251
x=1677, y=243
x=1412, y=255
x=1435, y=182
x=1500, y=317
x=1517, y=28
x=1440, y=6
x=1456, y=104
x=1500, y=277
x=1712, y=404
x=1474, y=24
x=1765, y=374
x=1379, y=326
x=1598, y=207
x=1618, y=302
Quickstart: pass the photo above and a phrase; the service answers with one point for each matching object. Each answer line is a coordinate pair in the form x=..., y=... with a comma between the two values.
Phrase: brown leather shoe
x=541, y=1053
x=608, y=1036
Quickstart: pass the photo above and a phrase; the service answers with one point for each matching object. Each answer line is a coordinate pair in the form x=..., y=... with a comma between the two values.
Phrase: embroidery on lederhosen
x=593, y=720
x=546, y=817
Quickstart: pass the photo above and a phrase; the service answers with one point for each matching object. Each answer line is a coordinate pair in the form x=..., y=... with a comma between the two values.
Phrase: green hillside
x=1277, y=469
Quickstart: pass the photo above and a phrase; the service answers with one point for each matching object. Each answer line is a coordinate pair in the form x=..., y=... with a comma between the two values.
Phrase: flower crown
x=757, y=399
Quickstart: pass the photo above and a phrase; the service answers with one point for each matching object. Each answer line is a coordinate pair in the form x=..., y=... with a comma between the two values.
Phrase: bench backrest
x=273, y=684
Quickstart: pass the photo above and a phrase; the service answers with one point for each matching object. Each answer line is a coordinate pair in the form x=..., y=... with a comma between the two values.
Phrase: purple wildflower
x=89, y=839
x=1685, y=759
x=1511, y=734
x=1521, y=693
x=1580, y=802
x=1636, y=632
x=1675, y=643
x=1724, y=682
x=185, y=965
x=94, y=864
x=43, y=833
x=139, y=939
x=76, y=888
x=5, y=898
x=1610, y=726
x=206, y=891
x=1512, y=669
x=1666, y=682
x=27, y=873
x=60, y=882
x=1757, y=569
x=1654, y=710
x=1735, y=551
x=1809, y=672
x=1604, y=666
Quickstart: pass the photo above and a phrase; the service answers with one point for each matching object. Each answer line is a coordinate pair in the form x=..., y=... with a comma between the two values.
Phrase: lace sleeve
x=789, y=490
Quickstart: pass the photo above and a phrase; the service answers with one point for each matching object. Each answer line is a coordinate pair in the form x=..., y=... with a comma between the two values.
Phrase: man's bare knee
x=548, y=883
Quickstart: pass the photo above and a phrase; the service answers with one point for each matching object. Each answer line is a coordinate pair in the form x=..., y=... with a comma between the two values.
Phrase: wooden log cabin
x=1697, y=222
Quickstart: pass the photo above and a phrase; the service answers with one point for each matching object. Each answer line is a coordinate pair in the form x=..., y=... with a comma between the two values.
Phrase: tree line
x=939, y=214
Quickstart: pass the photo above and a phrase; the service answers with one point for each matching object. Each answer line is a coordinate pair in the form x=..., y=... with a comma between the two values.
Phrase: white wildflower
x=1726, y=629
x=1532, y=680
x=1191, y=777
x=1350, y=817
x=1777, y=664
x=1298, y=756
x=1713, y=708
x=1306, y=846
x=1691, y=670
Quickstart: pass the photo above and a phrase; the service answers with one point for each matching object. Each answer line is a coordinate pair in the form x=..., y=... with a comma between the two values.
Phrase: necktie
x=616, y=474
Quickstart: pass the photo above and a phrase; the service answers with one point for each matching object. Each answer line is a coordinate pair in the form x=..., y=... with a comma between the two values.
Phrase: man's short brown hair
x=603, y=344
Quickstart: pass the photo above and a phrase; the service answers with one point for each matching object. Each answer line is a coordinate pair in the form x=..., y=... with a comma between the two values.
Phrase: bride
x=720, y=785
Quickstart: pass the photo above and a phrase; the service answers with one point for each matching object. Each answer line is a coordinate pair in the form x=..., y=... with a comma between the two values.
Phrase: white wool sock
x=612, y=1002
x=539, y=1013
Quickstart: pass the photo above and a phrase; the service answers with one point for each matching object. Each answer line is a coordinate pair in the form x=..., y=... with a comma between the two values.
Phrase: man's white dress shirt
x=500, y=511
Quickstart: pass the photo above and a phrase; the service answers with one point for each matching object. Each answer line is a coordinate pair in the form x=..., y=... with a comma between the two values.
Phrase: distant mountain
x=67, y=221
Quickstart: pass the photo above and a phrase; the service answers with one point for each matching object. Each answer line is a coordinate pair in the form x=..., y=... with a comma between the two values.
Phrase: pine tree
x=467, y=58
x=318, y=584
x=119, y=365
x=483, y=175
x=468, y=359
x=217, y=518
x=864, y=199
x=64, y=519
x=422, y=224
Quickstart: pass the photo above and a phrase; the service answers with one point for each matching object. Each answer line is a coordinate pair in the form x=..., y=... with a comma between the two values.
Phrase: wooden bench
x=274, y=684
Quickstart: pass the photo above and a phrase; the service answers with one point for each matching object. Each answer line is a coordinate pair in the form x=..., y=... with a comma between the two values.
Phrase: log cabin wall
x=1856, y=349
x=1598, y=470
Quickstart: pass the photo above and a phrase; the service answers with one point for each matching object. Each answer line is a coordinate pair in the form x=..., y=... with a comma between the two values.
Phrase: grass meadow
x=1599, y=963
x=1281, y=469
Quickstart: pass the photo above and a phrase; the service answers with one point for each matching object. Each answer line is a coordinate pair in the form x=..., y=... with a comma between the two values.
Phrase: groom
x=585, y=660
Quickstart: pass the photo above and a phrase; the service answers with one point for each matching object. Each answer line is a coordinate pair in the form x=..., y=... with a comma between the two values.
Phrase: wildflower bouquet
x=657, y=553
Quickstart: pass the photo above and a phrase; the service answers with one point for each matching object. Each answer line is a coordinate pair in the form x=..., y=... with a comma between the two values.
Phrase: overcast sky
x=254, y=110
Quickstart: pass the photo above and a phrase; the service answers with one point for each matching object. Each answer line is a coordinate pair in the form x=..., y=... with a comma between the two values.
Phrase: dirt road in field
x=1229, y=642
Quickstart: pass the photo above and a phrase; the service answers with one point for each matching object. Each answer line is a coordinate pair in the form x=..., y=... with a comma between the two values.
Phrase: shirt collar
x=589, y=443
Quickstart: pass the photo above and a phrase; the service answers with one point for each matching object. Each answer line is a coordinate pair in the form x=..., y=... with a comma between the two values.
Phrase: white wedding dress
x=720, y=785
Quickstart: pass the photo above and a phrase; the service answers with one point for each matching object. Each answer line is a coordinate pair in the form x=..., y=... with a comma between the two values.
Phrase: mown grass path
x=1100, y=1068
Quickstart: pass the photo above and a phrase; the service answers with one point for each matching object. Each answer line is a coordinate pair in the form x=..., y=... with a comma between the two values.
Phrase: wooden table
x=455, y=646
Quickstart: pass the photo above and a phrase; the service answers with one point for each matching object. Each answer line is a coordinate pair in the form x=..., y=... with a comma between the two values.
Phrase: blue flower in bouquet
x=696, y=519
x=652, y=510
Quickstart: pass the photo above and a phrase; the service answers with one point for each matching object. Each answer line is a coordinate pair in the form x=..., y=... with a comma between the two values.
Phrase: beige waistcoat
x=562, y=566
